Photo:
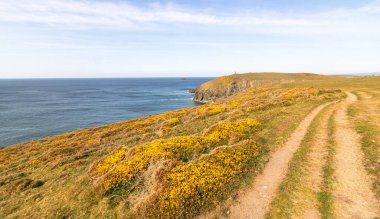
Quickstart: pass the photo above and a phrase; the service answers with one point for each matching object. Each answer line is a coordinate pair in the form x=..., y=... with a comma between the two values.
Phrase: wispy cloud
x=372, y=8
x=123, y=14
x=118, y=36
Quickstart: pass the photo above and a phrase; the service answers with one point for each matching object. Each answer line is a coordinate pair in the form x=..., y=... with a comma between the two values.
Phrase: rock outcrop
x=229, y=85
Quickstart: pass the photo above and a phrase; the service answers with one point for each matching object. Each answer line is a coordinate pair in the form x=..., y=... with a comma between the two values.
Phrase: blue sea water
x=37, y=108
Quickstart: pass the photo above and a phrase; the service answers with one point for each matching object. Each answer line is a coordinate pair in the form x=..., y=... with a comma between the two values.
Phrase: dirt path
x=317, y=160
x=353, y=195
x=254, y=202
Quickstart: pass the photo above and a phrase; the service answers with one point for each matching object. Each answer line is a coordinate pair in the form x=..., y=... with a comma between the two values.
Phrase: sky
x=185, y=38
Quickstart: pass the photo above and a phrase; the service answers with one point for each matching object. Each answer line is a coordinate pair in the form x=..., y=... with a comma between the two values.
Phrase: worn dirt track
x=254, y=202
x=353, y=195
x=317, y=160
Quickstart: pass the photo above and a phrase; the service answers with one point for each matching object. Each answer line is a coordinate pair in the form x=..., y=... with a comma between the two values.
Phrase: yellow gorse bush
x=180, y=148
x=121, y=168
x=221, y=132
x=190, y=187
x=172, y=122
x=183, y=148
x=215, y=110
x=130, y=132
x=106, y=164
x=172, y=165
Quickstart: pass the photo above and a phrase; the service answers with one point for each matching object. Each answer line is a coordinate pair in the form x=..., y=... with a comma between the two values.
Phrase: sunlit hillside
x=178, y=164
x=225, y=86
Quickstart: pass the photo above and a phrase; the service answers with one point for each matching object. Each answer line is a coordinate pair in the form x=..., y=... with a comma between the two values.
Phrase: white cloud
x=122, y=14
x=372, y=8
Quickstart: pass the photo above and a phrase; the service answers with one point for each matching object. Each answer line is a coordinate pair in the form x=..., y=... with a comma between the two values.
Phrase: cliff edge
x=225, y=86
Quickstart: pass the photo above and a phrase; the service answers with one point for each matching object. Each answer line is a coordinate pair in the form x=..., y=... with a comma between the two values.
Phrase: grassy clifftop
x=228, y=85
x=171, y=165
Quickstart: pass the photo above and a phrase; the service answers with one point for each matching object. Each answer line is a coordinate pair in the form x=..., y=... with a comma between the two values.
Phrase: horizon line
x=126, y=77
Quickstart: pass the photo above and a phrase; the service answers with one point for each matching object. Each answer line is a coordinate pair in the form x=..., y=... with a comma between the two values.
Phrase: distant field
x=202, y=161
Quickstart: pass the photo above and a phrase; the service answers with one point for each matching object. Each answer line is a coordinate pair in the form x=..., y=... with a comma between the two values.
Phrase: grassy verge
x=364, y=120
x=325, y=197
x=370, y=149
x=279, y=125
x=294, y=189
x=120, y=156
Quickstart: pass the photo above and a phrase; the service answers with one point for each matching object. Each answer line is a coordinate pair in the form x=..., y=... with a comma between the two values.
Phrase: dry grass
x=228, y=85
x=365, y=115
x=54, y=177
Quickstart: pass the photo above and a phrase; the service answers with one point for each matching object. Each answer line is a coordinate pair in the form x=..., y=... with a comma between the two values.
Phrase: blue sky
x=83, y=38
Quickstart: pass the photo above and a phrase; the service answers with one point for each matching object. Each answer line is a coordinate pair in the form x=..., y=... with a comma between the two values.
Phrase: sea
x=37, y=108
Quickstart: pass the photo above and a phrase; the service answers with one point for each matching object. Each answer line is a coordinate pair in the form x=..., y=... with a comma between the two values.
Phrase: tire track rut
x=255, y=202
x=353, y=195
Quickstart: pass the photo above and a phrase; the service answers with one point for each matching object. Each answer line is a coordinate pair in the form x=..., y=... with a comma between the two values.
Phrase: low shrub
x=182, y=148
x=191, y=187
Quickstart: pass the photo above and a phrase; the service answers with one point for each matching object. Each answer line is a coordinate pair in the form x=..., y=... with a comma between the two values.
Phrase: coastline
x=38, y=109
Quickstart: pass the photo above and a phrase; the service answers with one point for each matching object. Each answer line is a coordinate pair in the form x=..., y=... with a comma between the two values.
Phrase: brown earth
x=254, y=202
x=353, y=195
x=317, y=159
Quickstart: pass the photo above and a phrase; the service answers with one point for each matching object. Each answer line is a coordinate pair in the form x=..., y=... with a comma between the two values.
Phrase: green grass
x=370, y=149
x=59, y=166
x=363, y=118
x=325, y=197
x=293, y=190
x=225, y=80
x=64, y=162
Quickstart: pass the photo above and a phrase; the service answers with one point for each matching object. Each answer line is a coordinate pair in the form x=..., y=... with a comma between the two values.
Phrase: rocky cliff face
x=212, y=93
x=228, y=85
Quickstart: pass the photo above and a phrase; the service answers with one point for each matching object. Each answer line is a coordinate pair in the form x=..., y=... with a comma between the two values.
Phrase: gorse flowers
x=183, y=148
x=189, y=187
x=172, y=122
x=110, y=161
x=222, y=132
x=193, y=170
x=201, y=168
x=180, y=148
x=176, y=164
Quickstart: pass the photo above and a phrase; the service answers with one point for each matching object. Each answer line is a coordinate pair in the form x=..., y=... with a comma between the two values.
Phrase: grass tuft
x=325, y=197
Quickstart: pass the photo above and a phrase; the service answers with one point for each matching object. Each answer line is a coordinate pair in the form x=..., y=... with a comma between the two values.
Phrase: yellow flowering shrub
x=191, y=187
x=297, y=92
x=106, y=164
x=221, y=132
x=182, y=148
x=215, y=110
x=34, y=161
x=142, y=130
x=168, y=125
x=93, y=141
x=166, y=129
x=218, y=107
x=172, y=122
x=234, y=104
x=179, y=148
x=314, y=91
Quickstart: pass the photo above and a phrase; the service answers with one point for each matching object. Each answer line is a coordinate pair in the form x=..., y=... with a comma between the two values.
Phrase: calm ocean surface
x=36, y=108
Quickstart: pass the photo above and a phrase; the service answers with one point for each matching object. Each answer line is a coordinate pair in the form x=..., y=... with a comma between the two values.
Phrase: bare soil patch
x=353, y=195
x=254, y=202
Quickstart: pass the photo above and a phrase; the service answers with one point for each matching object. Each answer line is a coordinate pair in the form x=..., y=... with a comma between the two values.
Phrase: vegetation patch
x=190, y=187
x=371, y=148
x=285, y=204
x=371, y=152
x=138, y=165
x=183, y=148
x=325, y=196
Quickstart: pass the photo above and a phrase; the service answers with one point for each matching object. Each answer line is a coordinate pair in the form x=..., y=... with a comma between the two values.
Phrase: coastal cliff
x=141, y=167
x=226, y=86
